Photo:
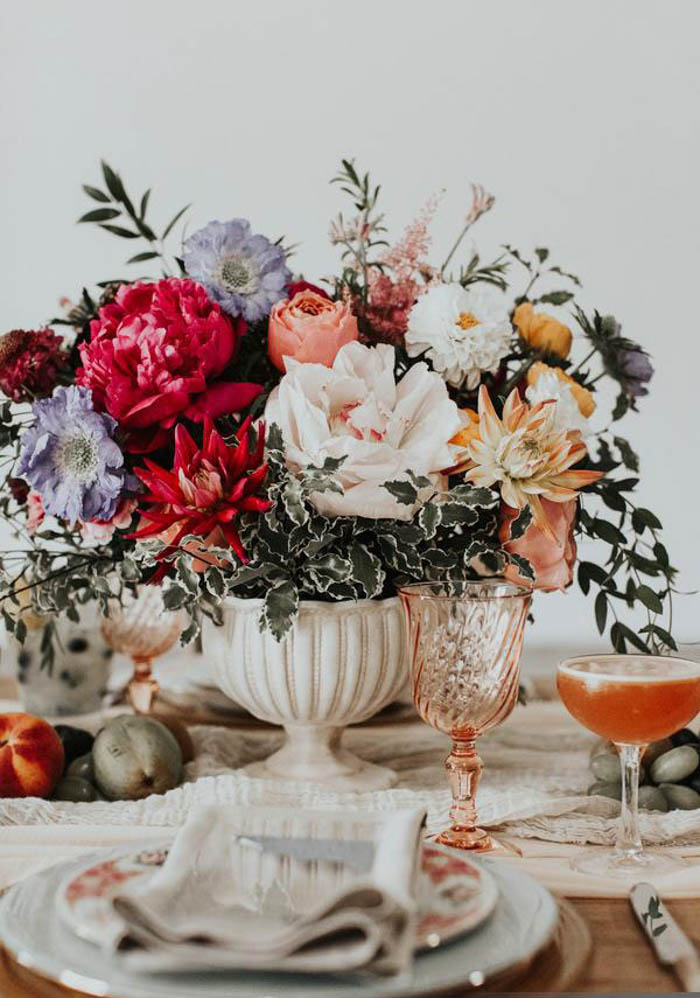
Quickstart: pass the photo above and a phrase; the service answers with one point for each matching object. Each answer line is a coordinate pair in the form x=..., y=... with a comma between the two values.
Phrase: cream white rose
x=383, y=429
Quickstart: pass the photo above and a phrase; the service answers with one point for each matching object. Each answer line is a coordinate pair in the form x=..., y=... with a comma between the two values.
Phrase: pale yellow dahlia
x=526, y=456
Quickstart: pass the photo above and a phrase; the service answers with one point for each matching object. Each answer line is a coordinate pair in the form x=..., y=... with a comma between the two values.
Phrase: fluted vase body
x=340, y=664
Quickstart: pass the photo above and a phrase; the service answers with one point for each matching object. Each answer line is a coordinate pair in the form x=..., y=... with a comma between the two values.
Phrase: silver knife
x=672, y=946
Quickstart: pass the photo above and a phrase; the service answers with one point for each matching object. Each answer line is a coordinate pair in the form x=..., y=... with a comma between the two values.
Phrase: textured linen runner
x=241, y=901
x=534, y=783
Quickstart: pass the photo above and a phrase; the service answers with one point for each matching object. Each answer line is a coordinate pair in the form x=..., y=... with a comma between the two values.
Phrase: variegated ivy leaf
x=420, y=481
x=215, y=582
x=274, y=444
x=403, y=491
x=328, y=569
x=174, y=596
x=367, y=570
x=281, y=604
x=185, y=575
x=483, y=558
x=523, y=565
x=292, y=496
x=520, y=523
x=472, y=496
x=252, y=573
x=429, y=518
x=455, y=513
x=440, y=561
x=401, y=559
x=191, y=631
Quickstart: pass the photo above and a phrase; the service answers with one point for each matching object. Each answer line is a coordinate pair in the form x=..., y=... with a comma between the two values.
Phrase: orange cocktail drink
x=630, y=699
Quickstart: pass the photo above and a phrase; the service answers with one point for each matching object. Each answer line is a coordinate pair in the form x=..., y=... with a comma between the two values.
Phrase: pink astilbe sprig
x=391, y=298
x=407, y=259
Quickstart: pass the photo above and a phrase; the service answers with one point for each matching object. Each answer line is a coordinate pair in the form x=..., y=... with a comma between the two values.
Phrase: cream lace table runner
x=535, y=780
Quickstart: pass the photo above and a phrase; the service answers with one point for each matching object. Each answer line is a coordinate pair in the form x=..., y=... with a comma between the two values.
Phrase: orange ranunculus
x=552, y=555
x=462, y=438
x=310, y=328
x=542, y=331
x=583, y=397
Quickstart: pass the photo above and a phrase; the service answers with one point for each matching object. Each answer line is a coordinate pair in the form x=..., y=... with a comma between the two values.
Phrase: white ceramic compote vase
x=340, y=664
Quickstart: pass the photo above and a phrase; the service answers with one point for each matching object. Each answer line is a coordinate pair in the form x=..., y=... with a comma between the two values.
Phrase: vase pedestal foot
x=314, y=755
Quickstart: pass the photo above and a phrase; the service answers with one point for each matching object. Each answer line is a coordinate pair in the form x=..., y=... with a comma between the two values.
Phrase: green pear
x=135, y=756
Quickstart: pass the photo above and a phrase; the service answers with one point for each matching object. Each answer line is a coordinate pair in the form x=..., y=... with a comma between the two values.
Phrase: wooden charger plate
x=556, y=968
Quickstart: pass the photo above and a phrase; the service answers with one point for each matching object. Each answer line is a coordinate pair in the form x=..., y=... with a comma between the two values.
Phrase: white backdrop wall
x=582, y=118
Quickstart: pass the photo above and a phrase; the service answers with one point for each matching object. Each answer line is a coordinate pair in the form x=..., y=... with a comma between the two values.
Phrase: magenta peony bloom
x=156, y=353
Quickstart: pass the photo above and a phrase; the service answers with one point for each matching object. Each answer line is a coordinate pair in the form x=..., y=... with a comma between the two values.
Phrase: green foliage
x=358, y=234
x=135, y=224
x=637, y=573
x=298, y=553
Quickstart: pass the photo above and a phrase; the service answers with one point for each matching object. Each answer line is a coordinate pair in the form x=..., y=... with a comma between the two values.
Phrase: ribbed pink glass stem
x=142, y=628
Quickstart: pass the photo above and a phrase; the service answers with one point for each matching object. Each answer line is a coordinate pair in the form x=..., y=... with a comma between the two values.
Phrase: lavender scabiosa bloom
x=69, y=457
x=245, y=273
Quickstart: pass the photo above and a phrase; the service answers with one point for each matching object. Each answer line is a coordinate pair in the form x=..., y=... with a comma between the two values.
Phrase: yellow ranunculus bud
x=542, y=331
x=583, y=397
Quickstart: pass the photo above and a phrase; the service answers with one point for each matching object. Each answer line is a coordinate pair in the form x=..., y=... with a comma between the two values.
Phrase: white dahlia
x=463, y=331
x=356, y=410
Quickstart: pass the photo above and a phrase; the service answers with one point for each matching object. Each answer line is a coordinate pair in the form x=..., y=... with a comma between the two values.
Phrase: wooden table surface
x=622, y=959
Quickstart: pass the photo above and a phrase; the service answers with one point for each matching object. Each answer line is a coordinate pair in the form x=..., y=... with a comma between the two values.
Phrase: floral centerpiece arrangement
x=218, y=426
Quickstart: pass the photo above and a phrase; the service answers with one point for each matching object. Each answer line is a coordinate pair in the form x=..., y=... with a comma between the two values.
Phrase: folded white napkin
x=226, y=900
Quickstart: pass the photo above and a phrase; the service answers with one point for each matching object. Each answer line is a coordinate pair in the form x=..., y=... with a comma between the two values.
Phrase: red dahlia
x=30, y=360
x=208, y=487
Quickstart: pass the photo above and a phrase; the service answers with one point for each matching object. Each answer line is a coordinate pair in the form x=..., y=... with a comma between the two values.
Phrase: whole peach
x=31, y=756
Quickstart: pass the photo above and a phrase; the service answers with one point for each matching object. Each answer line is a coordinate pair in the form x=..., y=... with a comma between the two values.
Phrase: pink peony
x=101, y=531
x=310, y=328
x=155, y=353
x=552, y=554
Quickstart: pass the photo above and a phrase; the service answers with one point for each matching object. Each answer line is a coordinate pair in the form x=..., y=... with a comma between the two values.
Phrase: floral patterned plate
x=454, y=895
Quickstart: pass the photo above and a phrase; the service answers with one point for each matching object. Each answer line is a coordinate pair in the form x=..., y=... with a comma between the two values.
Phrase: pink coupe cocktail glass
x=631, y=700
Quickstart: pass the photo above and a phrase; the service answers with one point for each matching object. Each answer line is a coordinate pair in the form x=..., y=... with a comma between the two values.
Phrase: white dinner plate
x=522, y=923
x=454, y=895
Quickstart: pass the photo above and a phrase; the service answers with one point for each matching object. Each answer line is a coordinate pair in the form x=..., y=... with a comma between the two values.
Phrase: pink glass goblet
x=141, y=627
x=464, y=644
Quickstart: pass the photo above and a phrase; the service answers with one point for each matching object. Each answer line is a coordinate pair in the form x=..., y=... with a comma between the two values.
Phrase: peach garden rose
x=309, y=328
x=551, y=552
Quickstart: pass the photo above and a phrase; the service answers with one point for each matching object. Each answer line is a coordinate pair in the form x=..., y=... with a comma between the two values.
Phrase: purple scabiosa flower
x=69, y=457
x=245, y=273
